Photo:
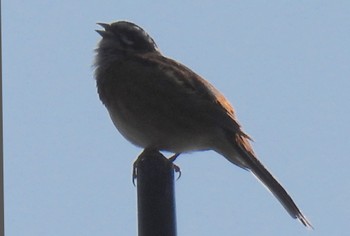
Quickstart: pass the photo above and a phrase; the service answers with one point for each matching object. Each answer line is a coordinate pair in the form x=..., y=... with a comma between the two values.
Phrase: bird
x=158, y=103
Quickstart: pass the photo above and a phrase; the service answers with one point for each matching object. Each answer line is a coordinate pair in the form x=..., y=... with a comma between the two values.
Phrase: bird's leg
x=171, y=159
x=134, y=171
x=176, y=168
x=136, y=162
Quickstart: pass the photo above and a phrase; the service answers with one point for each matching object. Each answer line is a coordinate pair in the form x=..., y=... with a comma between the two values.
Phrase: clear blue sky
x=284, y=65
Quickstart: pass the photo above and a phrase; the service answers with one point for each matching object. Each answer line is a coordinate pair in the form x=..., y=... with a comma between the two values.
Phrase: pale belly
x=162, y=135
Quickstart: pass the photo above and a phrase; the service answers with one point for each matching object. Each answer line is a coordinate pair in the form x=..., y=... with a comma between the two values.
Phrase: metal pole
x=155, y=195
x=2, y=226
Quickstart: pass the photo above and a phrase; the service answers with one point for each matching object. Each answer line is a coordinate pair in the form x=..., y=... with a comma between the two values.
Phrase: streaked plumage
x=156, y=102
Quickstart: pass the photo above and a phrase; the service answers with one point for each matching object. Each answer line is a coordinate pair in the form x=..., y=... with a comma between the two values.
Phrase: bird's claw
x=134, y=172
x=171, y=159
x=176, y=167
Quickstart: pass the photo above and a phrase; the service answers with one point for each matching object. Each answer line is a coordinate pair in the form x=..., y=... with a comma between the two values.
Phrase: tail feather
x=244, y=149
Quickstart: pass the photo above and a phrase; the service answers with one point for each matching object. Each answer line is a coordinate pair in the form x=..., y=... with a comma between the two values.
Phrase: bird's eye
x=126, y=40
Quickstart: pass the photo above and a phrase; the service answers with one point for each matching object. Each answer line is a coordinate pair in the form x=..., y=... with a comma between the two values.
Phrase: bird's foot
x=171, y=159
x=176, y=167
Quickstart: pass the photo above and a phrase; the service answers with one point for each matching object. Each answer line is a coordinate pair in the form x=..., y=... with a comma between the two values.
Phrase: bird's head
x=125, y=37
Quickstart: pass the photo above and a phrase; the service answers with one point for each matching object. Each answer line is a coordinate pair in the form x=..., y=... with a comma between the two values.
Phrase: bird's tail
x=245, y=152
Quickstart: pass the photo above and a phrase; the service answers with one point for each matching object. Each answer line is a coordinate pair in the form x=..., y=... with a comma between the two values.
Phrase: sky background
x=284, y=65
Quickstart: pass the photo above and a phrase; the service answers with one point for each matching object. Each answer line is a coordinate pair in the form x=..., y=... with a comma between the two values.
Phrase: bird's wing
x=203, y=95
x=204, y=99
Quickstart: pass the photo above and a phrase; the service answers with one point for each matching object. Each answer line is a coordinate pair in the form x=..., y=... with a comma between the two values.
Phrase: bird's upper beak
x=106, y=32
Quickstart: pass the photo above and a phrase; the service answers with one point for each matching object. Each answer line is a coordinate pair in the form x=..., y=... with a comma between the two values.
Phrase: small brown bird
x=158, y=103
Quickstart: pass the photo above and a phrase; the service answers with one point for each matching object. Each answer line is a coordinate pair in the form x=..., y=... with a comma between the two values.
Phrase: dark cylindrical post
x=2, y=230
x=155, y=195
